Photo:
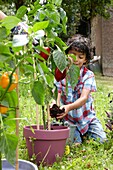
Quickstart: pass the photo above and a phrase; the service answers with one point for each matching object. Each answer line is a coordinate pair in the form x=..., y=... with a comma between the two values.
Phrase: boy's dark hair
x=81, y=44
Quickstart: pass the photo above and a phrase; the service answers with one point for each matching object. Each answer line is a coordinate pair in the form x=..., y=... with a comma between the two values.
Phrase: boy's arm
x=81, y=101
x=2, y=15
x=58, y=99
x=78, y=103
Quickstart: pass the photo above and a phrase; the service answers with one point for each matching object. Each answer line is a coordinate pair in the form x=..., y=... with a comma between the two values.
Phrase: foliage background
x=78, y=12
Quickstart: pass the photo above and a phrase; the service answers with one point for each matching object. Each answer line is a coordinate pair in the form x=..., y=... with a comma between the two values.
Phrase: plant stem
x=48, y=117
x=43, y=115
x=37, y=116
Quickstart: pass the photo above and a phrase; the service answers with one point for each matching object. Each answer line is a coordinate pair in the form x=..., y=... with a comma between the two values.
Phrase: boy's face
x=80, y=58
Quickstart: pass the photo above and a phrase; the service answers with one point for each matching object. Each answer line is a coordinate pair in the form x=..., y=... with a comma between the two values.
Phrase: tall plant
x=45, y=23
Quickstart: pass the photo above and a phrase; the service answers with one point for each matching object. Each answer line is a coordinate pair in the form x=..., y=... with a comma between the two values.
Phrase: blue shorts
x=95, y=131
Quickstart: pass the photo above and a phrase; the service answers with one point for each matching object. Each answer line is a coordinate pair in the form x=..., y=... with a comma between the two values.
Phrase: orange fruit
x=3, y=109
x=4, y=81
x=0, y=81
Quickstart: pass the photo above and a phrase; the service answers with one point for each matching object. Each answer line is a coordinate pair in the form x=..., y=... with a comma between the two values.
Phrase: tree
x=17, y=3
x=79, y=12
x=83, y=11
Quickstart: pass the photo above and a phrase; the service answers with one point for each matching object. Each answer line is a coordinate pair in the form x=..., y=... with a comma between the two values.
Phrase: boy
x=78, y=103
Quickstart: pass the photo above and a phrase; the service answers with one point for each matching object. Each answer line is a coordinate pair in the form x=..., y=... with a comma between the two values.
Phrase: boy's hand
x=66, y=109
x=55, y=111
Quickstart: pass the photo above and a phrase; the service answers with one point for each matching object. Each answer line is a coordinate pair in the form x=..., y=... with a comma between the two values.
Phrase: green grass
x=90, y=155
x=101, y=101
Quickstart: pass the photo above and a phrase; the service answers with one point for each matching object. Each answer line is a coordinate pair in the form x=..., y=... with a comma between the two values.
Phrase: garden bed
x=90, y=155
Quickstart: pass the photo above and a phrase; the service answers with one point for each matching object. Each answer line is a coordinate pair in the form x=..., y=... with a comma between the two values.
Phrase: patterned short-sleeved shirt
x=83, y=115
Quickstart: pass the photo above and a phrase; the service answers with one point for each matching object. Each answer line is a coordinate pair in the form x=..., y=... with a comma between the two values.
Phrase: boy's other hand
x=66, y=110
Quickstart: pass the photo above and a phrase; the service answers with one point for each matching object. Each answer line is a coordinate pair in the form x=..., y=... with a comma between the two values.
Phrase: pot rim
x=62, y=132
x=59, y=127
x=24, y=161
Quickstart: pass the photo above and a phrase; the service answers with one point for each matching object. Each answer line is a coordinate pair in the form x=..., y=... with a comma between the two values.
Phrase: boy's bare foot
x=77, y=144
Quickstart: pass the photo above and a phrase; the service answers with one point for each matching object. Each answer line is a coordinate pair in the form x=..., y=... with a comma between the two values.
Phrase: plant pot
x=70, y=140
x=46, y=145
x=23, y=165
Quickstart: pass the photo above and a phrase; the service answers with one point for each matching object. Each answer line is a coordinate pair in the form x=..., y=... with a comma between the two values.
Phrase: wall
x=96, y=34
x=107, y=46
x=102, y=38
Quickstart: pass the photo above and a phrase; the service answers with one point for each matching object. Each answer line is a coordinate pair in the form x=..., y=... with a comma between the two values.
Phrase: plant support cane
x=17, y=120
x=0, y=152
x=37, y=112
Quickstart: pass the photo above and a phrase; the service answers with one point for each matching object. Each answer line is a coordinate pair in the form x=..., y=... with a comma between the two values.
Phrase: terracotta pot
x=47, y=145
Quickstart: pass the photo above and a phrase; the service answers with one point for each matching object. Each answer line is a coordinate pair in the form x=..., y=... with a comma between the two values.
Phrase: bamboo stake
x=17, y=121
x=37, y=112
x=48, y=117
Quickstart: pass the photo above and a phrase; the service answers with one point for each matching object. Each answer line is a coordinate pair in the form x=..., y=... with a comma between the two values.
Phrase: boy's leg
x=77, y=137
x=96, y=131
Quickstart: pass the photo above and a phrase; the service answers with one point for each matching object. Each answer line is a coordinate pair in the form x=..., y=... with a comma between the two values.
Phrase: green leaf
x=3, y=33
x=21, y=12
x=12, y=98
x=57, y=2
x=38, y=92
x=10, y=22
x=54, y=18
x=41, y=15
x=57, y=39
x=10, y=122
x=72, y=56
x=8, y=144
x=4, y=49
x=63, y=15
x=40, y=25
x=60, y=43
x=44, y=67
x=64, y=20
x=30, y=60
x=5, y=54
x=50, y=79
x=74, y=73
x=17, y=49
x=60, y=60
x=4, y=103
x=4, y=58
x=28, y=68
x=48, y=94
x=42, y=72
